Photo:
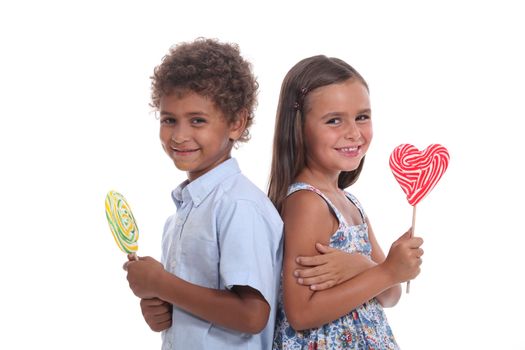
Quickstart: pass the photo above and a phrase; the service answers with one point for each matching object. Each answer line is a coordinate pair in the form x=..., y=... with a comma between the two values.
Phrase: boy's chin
x=183, y=166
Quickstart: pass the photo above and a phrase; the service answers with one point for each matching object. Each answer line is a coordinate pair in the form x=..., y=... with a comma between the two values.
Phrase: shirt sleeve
x=250, y=246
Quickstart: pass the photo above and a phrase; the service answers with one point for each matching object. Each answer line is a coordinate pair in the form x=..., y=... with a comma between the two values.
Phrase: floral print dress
x=365, y=327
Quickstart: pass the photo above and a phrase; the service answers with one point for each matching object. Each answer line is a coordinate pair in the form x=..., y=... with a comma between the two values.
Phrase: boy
x=222, y=251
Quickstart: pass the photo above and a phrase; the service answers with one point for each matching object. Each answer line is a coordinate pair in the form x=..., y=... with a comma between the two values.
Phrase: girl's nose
x=352, y=132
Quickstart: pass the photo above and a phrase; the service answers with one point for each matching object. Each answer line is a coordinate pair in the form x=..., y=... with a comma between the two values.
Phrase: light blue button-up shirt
x=226, y=232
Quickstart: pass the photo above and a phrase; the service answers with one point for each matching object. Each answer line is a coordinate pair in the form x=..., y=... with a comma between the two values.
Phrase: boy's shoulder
x=239, y=189
x=228, y=181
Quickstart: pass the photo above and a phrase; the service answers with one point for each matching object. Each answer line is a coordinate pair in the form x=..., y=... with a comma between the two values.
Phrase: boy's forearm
x=243, y=312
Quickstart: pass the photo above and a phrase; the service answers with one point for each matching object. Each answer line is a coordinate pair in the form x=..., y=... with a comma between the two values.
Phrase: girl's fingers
x=313, y=280
x=310, y=260
x=323, y=286
x=306, y=273
x=324, y=249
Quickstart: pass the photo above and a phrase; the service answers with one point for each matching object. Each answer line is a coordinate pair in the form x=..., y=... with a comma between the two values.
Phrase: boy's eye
x=198, y=120
x=167, y=120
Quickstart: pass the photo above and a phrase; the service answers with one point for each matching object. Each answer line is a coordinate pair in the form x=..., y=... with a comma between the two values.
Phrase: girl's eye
x=362, y=117
x=333, y=121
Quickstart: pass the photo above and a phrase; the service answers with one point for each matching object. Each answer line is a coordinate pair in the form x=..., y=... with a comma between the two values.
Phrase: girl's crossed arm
x=307, y=221
x=333, y=266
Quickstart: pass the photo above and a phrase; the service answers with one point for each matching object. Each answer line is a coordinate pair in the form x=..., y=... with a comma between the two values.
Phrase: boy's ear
x=238, y=126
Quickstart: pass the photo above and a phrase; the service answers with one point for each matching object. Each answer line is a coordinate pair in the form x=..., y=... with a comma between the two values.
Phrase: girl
x=323, y=130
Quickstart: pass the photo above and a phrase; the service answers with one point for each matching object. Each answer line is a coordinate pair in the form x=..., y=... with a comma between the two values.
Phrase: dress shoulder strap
x=358, y=205
x=299, y=186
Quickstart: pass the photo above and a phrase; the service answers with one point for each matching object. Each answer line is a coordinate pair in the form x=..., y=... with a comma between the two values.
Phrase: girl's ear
x=238, y=125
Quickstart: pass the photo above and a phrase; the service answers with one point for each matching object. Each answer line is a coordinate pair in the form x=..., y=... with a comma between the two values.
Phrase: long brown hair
x=288, y=157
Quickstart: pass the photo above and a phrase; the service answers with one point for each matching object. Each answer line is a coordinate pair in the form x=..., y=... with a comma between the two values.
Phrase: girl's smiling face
x=337, y=127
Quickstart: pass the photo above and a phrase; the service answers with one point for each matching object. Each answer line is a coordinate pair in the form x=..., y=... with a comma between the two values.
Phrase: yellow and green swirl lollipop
x=121, y=222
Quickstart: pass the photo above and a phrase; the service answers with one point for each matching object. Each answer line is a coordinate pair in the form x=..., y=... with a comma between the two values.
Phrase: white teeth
x=349, y=149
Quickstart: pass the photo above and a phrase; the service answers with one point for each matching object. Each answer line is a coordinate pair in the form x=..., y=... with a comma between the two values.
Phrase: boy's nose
x=180, y=134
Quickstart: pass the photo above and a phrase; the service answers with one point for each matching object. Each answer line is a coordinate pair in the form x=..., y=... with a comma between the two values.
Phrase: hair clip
x=304, y=91
x=296, y=105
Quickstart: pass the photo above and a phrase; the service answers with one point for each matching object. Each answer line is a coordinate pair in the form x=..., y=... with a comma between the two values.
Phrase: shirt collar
x=199, y=189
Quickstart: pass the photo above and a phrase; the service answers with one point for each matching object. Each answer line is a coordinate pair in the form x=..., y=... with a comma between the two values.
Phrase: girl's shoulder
x=304, y=198
x=304, y=211
x=306, y=201
x=298, y=186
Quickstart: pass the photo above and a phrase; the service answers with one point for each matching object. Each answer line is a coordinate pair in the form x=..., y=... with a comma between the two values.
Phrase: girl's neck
x=321, y=180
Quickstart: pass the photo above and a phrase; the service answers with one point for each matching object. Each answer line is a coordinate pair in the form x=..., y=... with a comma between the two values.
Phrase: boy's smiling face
x=195, y=133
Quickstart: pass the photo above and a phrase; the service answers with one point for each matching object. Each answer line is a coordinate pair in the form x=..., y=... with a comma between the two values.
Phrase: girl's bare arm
x=307, y=221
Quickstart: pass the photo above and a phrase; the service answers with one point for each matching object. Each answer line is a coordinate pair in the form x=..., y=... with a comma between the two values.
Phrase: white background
x=75, y=122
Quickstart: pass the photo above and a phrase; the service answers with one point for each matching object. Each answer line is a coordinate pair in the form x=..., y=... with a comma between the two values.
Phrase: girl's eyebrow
x=332, y=114
x=365, y=111
x=338, y=114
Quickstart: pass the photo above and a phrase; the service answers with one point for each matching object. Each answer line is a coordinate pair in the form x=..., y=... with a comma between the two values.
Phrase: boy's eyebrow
x=189, y=114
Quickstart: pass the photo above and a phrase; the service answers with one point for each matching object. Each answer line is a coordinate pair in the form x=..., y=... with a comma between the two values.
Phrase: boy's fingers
x=161, y=318
x=157, y=310
x=151, y=302
x=133, y=257
x=125, y=266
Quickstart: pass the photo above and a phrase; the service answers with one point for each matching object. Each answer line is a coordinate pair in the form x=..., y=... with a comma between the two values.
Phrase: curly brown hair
x=212, y=69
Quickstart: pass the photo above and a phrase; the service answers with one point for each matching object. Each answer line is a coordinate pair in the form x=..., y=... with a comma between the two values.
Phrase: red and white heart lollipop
x=417, y=172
